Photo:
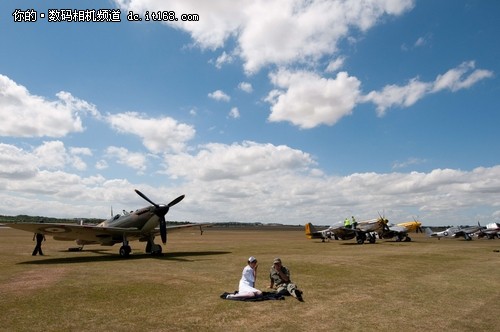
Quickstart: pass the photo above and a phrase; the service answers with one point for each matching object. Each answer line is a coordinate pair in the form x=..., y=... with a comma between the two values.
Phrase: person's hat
x=252, y=259
x=277, y=260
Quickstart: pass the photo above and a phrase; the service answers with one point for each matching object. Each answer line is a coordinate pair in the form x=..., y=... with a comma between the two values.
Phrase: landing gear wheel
x=156, y=250
x=361, y=238
x=125, y=251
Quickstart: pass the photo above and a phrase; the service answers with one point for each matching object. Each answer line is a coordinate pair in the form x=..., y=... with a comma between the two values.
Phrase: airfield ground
x=431, y=285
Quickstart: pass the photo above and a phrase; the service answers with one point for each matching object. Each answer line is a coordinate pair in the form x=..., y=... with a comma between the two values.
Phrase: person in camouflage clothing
x=280, y=280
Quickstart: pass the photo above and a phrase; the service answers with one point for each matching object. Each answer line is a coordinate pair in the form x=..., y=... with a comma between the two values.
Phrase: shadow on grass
x=106, y=256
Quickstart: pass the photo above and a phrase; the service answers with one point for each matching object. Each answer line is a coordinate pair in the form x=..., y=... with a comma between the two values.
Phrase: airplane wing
x=91, y=233
x=345, y=233
x=459, y=233
x=176, y=228
x=465, y=233
x=398, y=228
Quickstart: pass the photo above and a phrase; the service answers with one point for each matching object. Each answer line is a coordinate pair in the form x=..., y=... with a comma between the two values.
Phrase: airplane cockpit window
x=116, y=217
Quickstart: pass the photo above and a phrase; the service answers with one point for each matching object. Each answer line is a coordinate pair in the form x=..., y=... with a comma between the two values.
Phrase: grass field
x=446, y=285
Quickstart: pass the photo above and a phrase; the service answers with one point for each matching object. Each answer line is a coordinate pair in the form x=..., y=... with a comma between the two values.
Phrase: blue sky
x=271, y=111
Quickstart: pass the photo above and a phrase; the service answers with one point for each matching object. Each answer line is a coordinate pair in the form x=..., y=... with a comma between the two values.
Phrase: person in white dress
x=247, y=282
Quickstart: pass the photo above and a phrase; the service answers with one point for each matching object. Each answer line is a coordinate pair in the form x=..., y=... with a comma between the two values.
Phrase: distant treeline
x=26, y=218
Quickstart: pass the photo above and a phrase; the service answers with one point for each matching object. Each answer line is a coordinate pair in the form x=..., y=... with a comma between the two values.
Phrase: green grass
x=450, y=285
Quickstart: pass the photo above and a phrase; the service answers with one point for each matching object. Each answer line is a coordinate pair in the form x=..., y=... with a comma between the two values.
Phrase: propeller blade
x=146, y=198
x=161, y=211
x=175, y=201
x=163, y=230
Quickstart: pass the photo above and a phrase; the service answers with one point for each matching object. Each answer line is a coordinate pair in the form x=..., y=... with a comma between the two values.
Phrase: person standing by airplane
x=38, y=248
x=280, y=279
x=247, y=282
x=347, y=223
x=354, y=223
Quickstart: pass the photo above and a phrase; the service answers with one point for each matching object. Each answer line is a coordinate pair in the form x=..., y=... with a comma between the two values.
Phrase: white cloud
x=223, y=59
x=219, y=161
x=245, y=86
x=219, y=95
x=77, y=161
x=234, y=113
x=51, y=155
x=335, y=65
x=278, y=183
x=285, y=32
x=408, y=162
x=101, y=164
x=158, y=134
x=420, y=42
x=16, y=163
x=302, y=31
x=25, y=115
x=394, y=95
x=454, y=79
x=249, y=182
x=80, y=151
x=219, y=19
x=308, y=100
x=123, y=156
x=462, y=77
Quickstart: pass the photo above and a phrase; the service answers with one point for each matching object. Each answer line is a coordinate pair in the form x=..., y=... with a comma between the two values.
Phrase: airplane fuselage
x=143, y=219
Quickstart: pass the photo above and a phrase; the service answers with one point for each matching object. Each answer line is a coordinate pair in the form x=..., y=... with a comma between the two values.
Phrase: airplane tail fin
x=428, y=231
x=308, y=230
x=312, y=232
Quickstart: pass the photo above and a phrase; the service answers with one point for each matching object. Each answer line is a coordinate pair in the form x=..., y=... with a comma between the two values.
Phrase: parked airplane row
x=367, y=230
x=370, y=230
x=491, y=231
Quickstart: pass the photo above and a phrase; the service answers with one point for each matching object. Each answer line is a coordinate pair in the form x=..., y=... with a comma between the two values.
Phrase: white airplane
x=461, y=231
x=468, y=231
x=141, y=225
x=449, y=232
x=491, y=231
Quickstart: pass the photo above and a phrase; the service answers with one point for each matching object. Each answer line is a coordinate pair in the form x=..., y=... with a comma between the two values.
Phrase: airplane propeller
x=419, y=228
x=161, y=211
x=384, y=221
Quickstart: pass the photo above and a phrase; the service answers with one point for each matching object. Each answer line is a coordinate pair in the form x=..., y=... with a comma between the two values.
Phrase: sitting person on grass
x=246, y=287
x=280, y=280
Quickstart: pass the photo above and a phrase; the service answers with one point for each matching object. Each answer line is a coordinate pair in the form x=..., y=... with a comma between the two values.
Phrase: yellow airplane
x=400, y=231
x=412, y=226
